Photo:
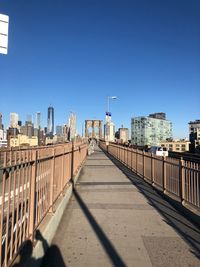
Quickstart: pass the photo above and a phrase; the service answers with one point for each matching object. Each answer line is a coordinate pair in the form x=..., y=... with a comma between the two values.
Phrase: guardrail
x=177, y=177
x=30, y=183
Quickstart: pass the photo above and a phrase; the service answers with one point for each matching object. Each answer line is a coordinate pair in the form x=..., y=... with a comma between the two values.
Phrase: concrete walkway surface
x=114, y=218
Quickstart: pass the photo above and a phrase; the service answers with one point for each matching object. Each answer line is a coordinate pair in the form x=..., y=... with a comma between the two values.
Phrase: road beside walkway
x=109, y=222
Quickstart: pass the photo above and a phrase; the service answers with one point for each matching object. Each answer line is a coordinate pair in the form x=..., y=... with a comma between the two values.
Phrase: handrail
x=31, y=181
x=175, y=177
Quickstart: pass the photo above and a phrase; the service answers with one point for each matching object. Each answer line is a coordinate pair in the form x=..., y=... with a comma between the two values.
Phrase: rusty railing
x=31, y=181
x=175, y=177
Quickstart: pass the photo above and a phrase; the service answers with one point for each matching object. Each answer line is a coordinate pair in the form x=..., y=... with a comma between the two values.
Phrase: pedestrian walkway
x=110, y=222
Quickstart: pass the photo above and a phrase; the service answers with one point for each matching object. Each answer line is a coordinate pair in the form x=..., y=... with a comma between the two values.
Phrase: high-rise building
x=123, y=134
x=194, y=134
x=109, y=131
x=72, y=126
x=14, y=118
x=66, y=132
x=29, y=118
x=59, y=130
x=109, y=128
x=50, y=121
x=38, y=120
x=150, y=130
x=28, y=129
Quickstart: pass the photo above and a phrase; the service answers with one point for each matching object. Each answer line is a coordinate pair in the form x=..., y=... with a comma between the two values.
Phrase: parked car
x=159, y=151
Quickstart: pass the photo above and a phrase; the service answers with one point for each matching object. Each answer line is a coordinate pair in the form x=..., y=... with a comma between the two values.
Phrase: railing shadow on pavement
x=51, y=258
x=108, y=247
x=168, y=208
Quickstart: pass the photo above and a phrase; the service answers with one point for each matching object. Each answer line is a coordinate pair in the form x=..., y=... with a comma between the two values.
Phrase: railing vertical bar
x=143, y=155
x=13, y=206
x=18, y=201
x=72, y=161
x=33, y=195
x=62, y=171
x=22, y=198
x=136, y=161
x=164, y=174
x=43, y=189
x=29, y=192
x=8, y=213
x=181, y=177
x=25, y=200
x=52, y=180
x=38, y=187
x=2, y=207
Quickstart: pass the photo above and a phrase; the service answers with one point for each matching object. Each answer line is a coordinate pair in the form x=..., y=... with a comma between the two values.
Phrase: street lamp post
x=108, y=101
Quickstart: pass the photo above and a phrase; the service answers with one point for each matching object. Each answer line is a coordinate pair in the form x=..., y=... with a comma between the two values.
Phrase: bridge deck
x=115, y=221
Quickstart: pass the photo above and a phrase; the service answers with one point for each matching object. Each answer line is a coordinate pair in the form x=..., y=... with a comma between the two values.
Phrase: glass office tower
x=38, y=120
x=50, y=121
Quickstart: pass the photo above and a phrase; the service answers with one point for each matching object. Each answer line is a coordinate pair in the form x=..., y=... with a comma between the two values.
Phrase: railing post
x=62, y=171
x=181, y=180
x=143, y=154
x=152, y=168
x=136, y=165
x=127, y=157
x=72, y=162
x=131, y=150
x=52, y=179
x=32, y=207
x=164, y=173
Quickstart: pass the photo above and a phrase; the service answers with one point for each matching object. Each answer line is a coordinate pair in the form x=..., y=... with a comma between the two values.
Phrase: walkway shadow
x=106, y=243
x=176, y=216
x=51, y=258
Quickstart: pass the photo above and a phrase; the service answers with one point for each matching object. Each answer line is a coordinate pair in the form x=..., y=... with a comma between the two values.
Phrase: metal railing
x=30, y=183
x=177, y=177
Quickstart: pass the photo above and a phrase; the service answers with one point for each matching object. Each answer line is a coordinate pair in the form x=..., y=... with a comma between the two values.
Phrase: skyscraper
x=59, y=130
x=50, y=121
x=38, y=120
x=72, y=125
x=14, y=118
x=109, y=128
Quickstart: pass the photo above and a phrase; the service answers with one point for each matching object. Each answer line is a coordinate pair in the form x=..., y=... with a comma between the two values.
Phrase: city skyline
x=79, y=129
x=147, y=54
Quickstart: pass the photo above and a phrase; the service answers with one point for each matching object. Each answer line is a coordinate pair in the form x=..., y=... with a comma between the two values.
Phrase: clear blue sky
x=73, y=54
